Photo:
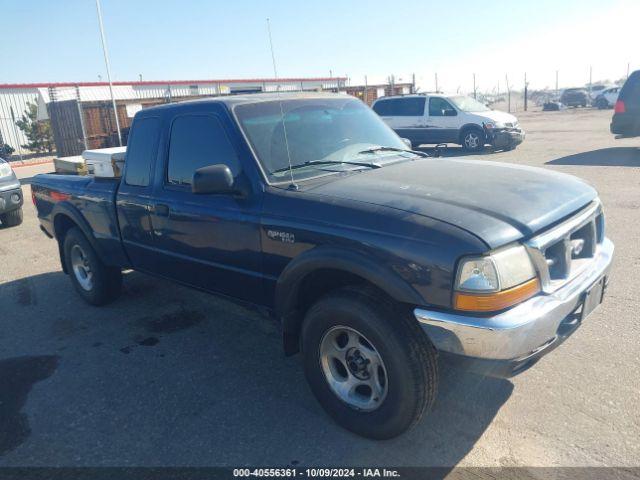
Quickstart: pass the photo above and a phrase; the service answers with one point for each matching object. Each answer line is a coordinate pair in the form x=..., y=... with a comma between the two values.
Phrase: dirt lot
x=170, y=376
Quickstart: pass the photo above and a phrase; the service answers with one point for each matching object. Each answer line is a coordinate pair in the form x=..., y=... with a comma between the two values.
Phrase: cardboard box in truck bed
x=70, y=165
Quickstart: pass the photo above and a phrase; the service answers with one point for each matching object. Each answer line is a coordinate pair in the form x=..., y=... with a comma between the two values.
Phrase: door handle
x=161, y=210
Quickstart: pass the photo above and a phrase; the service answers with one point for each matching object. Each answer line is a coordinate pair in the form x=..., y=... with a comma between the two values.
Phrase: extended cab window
x=141, y=151
x=438, y=106
x=198, y=141
x=401, y=107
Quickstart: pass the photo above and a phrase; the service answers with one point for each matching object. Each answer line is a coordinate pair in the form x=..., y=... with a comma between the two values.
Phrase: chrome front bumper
x=522, y=332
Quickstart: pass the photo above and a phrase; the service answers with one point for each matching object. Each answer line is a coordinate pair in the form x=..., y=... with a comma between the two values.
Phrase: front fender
x=334, y=258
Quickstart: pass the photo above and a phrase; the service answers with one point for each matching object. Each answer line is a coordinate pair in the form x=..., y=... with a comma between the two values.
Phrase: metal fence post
x=15, y=132
x=80, y=114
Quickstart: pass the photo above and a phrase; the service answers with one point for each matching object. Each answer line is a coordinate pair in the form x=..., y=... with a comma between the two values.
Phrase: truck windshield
x=468, y=104
x=323, y=135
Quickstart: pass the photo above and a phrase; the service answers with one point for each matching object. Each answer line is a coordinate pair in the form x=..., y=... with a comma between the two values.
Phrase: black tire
x=105, y=281
x=12, y=218
x=473, y=139
x=409, y=358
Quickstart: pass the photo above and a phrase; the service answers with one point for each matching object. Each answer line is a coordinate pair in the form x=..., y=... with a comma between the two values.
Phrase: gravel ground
x=170, y=376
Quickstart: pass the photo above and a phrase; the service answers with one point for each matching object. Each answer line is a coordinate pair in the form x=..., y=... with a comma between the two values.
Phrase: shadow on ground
x=169, y=376
x=605, y=157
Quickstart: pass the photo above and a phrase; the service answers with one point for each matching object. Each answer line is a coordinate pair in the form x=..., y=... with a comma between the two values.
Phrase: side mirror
x=450, y=113
x=213, y=179
x=407, y=142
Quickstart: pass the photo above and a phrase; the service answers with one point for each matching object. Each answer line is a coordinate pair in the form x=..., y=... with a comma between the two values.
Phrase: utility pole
x=413, y=83
x=106, y=62
x=627, y=70
x=436, y=82
x=590, y=78
x=526, y=91
x=556, y=83
x=474, y=85
x=506, y=77
x=366, y=100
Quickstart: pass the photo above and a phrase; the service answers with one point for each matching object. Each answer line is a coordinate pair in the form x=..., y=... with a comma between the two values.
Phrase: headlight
x=5, y=169
x=495, y=281
x=492, y=125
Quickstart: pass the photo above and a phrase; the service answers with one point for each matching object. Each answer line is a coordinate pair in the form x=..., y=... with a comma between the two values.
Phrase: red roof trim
x=168, y=82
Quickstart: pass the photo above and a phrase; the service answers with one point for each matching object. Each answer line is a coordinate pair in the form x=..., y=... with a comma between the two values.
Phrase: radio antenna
x=293, y=185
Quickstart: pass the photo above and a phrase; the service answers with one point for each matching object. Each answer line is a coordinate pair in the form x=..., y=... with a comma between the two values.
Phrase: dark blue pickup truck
x=376, y=259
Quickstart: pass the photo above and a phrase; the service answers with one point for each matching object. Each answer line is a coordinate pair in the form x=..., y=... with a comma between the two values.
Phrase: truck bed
x=94, y=197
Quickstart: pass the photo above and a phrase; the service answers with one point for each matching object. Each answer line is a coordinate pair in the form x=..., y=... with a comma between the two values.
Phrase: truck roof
x=232, y=100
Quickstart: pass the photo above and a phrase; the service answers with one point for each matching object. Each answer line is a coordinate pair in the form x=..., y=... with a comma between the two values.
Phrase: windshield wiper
x=391, y=149
x=327, y=162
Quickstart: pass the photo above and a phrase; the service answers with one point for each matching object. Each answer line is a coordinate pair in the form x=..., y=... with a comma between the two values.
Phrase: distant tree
x=38, y=133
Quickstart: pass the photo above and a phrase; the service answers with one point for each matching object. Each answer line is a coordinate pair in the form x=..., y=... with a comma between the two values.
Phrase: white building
x=14, y=97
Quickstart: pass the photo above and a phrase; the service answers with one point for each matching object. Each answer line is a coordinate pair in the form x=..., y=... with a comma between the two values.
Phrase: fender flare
x=334, y=258
x=69, y=210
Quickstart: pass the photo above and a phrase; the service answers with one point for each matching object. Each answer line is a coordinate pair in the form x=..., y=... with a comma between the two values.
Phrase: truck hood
x=497, y=202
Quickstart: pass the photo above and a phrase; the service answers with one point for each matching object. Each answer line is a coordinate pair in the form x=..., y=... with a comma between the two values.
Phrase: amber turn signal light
x=490, y=302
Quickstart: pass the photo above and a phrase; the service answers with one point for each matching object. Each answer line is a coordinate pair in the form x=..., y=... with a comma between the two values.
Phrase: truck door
x=443, y=121
x=134, y=199
x=406, y=115
x=208, y=241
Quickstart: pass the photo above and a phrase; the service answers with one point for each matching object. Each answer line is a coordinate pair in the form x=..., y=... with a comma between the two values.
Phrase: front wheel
x=368, y=363
x=96, y=282
x=12, y=219
x=473, y=140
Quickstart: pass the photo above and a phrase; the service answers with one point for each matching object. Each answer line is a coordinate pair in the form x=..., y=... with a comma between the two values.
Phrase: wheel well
x=61, y=225
x=312, y=288
x=466, y=128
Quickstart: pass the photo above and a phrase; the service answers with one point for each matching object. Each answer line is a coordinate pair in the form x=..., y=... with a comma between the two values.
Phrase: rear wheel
x=368, y=363
x=96, y=282
x=12, y=219
x=473, y=139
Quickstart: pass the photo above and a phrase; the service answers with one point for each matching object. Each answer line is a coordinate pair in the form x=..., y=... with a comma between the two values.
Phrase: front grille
x=566, y=250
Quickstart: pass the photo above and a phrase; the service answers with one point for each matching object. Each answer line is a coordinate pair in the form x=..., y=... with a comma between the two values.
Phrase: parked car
x=439, y=118
x=10, y=196
x=374, y=258
x=575, y=97
x=626, y=116
x=607, y=98
x=596, y=90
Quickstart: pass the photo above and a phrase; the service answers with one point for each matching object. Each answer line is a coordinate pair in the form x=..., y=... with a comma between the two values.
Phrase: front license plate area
x=592, y=298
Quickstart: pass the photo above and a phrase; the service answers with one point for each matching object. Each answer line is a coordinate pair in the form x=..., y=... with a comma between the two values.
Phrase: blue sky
x=46, y=41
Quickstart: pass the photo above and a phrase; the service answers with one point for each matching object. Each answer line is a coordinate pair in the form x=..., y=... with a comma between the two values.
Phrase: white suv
x=439, y=118
x=607, y=98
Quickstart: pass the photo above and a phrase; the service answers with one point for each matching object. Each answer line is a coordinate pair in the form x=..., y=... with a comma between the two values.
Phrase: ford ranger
x=376, y=260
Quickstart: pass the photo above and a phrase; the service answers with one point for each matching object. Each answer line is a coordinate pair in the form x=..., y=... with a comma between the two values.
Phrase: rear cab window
x=141, y=151
x=197, y=141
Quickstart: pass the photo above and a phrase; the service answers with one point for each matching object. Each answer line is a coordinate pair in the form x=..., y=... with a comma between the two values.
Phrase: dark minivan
x=575, y=97
x=626, y=116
